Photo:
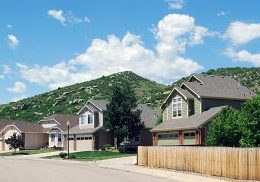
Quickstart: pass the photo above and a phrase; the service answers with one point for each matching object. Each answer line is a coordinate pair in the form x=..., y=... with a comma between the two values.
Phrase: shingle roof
x=101, y=104
x=219, y=87
x=63, y=119
x=77, y=130
x=23, y=126
x=194, y=121
x=148, y=116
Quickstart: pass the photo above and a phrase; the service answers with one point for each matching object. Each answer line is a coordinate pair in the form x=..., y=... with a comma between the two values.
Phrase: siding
x=197, y=106
x=167, y=112
x=209, y=103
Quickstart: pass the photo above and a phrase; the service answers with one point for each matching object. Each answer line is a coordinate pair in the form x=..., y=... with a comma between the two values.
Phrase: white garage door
x=84, y=143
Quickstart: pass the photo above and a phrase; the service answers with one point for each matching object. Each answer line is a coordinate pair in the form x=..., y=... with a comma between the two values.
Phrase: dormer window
x=176, y=107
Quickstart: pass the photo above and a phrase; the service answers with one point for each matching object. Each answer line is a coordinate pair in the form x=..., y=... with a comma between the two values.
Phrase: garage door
x=84, y=143
x=189, y=138
x=168, y=139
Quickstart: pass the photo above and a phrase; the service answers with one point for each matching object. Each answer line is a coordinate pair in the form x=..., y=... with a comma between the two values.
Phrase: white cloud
x=243, y=56
x=57, y=15
x=241, y=33
x=19, y=87
x=6, y=69
x=67, y=18
x=175, y=4
x=103, y=57
x=222, y=13
x=12, y=41
x=2, y=77
x=9, y=26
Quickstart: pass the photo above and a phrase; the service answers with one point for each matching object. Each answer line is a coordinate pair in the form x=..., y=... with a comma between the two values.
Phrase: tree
x=225, y=129
x=15, y=142
x=251, y=123
x=122, y=118
x=159, y=119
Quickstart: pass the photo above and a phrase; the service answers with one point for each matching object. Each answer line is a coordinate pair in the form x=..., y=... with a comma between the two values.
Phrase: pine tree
x=122, y=118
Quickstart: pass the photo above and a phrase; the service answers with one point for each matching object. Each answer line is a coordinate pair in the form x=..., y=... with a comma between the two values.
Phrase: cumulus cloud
x=19, y=87
x=13, y=41
x=243, y=56
x=67, y=18
x=241, y=33
x=175, y=4
x=165, y=63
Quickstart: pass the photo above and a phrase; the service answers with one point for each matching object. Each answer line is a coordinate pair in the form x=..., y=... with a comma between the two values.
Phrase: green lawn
x=27, y=152
x=93, y=155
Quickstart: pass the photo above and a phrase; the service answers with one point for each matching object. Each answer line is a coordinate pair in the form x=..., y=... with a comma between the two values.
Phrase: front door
x=56, y=140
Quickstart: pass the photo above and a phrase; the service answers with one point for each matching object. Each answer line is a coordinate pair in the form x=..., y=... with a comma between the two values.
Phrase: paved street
x=26, y=170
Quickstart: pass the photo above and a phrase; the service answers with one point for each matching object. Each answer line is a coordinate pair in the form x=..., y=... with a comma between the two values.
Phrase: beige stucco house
x=32, y=134
x=189, y=108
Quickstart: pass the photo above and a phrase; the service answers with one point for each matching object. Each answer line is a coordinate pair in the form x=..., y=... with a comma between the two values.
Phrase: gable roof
x=96, y=105
x=222, y=87
x=101, y=104
x=181, y=91
x=192, y=122
x=62, y=120
x=23, y=126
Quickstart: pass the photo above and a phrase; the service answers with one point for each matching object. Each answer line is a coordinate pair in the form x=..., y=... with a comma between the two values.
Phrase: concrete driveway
x=24, y=170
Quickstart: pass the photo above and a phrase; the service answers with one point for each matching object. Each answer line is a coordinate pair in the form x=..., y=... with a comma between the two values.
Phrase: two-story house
x=189, y=108
x=90, y=133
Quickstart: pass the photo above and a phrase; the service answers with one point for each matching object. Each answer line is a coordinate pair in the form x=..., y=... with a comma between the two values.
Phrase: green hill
x=71, y=98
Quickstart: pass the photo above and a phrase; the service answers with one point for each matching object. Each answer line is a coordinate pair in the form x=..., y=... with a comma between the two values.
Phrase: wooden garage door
x=84, y=143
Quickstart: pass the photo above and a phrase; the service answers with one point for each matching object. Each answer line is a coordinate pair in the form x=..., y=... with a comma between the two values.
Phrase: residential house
x=90, y=133
x=87, y=131
x=189, y=108
x=32, y=134
x=55, y=126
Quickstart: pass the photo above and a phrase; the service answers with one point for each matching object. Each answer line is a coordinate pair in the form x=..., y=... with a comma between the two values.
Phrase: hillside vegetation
x=71, y=98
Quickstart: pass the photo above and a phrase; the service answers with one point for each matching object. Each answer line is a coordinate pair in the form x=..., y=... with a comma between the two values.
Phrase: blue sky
x=48, y=44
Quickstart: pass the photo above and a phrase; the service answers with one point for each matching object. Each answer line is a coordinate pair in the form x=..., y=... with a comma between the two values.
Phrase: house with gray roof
x=91, y=134
x=188, y=109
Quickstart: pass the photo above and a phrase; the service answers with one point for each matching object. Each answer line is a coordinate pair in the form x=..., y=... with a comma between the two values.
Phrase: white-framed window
x=90, y=118
x=59, y=137
x=52, y=137
x=86, y=118
x=176, y=107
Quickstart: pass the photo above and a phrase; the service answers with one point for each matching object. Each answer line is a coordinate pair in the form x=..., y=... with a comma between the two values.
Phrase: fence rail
x=238, y=163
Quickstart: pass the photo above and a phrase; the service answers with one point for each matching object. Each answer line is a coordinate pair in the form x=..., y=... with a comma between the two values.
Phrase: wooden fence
x=238, y=163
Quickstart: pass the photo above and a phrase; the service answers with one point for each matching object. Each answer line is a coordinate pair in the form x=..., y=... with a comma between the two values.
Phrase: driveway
x=24, y=170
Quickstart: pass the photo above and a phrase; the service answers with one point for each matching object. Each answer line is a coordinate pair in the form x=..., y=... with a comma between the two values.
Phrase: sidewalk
x=127, y=164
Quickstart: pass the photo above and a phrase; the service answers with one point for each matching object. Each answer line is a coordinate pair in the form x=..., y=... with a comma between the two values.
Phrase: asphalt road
x=24, y=170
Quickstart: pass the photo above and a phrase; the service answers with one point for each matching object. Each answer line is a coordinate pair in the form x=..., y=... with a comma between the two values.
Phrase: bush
x=63, y=155
x=107, y=147
x=73, y=156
